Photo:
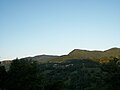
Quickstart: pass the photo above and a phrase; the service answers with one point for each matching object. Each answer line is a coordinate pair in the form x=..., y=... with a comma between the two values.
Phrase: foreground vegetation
x=84, y=74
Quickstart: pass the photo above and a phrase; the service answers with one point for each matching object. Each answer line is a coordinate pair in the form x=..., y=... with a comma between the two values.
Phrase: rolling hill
x=101, y=56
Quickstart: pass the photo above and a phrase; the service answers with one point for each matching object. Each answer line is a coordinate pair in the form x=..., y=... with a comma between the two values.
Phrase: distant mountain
x=101, y=56
x=115, y=52
x=42, y=58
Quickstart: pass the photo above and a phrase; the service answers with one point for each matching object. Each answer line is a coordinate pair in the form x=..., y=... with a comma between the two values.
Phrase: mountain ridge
x=101, y=56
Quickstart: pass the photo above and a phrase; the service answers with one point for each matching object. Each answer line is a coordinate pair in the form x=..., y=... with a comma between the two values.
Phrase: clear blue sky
x=34, y=27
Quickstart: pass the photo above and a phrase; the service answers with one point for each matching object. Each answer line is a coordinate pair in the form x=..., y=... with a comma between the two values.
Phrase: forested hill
x=67, y=72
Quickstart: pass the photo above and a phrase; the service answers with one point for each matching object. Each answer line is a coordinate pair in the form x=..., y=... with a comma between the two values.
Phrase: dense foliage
x=74, y=74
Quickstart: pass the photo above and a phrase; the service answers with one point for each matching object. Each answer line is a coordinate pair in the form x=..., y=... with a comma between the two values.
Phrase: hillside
x=42, y=58
x=71, y=74
x=101, y=56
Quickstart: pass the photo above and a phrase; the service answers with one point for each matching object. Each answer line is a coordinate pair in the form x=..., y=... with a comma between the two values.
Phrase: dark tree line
x=25, y=74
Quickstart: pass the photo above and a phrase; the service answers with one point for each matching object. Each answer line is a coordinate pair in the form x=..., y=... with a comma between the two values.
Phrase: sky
x=56, y=27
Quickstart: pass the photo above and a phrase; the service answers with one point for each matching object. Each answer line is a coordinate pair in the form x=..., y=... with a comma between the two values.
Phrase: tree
x=3, y=75
x=24, y=75
x=112, y=74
